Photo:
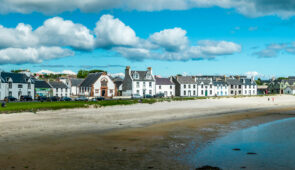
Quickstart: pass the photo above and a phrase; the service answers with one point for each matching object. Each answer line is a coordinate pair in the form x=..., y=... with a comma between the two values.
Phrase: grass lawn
x=36, y=106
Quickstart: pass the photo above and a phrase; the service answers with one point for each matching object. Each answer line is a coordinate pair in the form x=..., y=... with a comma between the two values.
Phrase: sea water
x=266, y=146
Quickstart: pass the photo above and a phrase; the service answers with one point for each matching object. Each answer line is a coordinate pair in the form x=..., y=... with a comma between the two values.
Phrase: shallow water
x=272, y=146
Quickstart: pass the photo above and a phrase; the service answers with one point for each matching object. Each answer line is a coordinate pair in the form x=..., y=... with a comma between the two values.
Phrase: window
x=29, y=85
x=160, y=87
x=202, y=86
x=232, y=86
x=245, y=91
x=189, y=86
x=210, y=85
x=210, y=92
x=29, y=93
x=150, y=92
x=253, y=91
x=240, y=86
x=96, y=90
x=206, y=87
x=150, y=83
x=194, y=86
x=56, y=89
x=231, y=92
x=202, y=92
x=136, y=76
x=148, y=76
x=218, y=93
x=20, y=86
x=240, y=92
x=194, y=92
x=137, y=84
x=184, y=93
x=137, y=91
x=170, y=87
x=10, y=85
x=184, y=86
x=10, y=93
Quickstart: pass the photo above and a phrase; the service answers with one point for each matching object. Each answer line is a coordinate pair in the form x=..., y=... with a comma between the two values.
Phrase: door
x=189, y=93
x=103, y=92
x=206, y=93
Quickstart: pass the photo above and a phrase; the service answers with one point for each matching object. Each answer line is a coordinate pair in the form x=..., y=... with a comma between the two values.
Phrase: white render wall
x=74, y=90
x=168, y=90
x=249, y=90
x=3, y=91
x=17, y=92
x=221, y=90
x=208, y=88
x=61, y=92
x=188, y=90
x=97, y=86
x=143, y=85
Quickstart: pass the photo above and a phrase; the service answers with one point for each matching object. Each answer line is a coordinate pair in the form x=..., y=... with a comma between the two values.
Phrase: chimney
x=252, y=79
x=127, y=71
x=149, y=69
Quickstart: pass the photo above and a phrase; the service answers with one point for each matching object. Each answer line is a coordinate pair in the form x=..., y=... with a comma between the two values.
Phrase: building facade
x=220, y=88
x=59, y=89
x=185, y=86
x=139, y=82
x=205, y=87
x=165, y=86
x=97, y=85
x=42, y=88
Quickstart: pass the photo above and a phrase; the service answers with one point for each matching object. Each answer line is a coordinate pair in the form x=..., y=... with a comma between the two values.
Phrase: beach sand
x=141, y=136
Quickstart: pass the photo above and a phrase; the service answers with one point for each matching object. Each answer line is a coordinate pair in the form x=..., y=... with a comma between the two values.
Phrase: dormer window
x=136, y=76
x=7, y=79
x=148, y=76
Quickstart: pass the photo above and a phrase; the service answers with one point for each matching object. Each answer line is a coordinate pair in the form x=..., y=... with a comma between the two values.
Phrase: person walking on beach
x=273, y=99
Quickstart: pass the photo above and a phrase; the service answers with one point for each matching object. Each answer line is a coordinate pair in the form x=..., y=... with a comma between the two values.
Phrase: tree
x=96, y=71
x=82, y=74
x=258, y=81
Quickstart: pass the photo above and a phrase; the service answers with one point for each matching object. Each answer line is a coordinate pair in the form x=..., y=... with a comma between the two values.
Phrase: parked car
x=136, y=96
x=98, y=99
x=54, y=98
x=10, y=98
x=159, y=95
x=65, y=99
x=26, y=98
x=81, y=98
x=43, y=98
x=148, y=96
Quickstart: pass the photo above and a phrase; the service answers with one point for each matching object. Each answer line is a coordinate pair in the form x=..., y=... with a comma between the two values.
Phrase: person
x=273, y=99
x=268, y=99
x=3, y=104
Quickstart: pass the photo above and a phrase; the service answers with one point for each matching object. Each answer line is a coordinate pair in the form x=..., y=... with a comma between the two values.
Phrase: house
x=96, y=85
x=138, y=82
x=185, y=86
x=165, y=86
x=205, y=87
x=60, y=89
x=42, y=88
x=262, y=89
x=220, y=88
x=278, y=86
x=119, y=85
x=242, y=86
x=16, y=85
x=289, y=90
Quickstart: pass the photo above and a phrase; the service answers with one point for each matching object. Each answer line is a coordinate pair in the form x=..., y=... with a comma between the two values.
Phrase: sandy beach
x=127, y=136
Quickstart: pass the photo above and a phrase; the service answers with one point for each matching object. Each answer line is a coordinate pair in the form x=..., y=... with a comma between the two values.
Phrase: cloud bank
x=252, y=8
x=58, y=38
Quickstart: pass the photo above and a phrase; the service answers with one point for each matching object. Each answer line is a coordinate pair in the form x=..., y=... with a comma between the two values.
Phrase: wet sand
x=157, y=145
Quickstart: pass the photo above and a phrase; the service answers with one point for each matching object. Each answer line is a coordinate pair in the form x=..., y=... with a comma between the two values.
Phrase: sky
x=189, y=37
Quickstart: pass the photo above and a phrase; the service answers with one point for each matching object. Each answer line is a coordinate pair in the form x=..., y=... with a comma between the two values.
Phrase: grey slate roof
x=41, y=84
x=234, y=82
x=57, y=84
x=291, y=87
x=142, y=76
x=220, y=83
x=117, y=79
x=248, y=82
x=90, y=79
x=16, y=77
x=186, y=79
x=204, y=81
x=76, y=82
x=163, y=81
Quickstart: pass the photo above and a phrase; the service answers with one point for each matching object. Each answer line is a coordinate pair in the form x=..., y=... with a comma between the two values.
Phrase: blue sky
x=236, y=42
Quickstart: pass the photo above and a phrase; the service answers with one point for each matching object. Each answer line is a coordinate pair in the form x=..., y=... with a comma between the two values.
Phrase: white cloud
x=273, y=50
x=32, y=55
x=122, y=75
x=111, y=31
x=170, y=39
x=59, y=32
x=69, y=72
x=254, y=74
x=252, y=8
x=212, y=48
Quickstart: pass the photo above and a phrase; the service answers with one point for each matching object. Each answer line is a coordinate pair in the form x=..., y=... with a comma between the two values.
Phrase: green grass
x=38, y=106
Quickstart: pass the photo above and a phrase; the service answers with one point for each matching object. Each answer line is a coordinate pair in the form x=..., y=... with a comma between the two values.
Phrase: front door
x=206, y=93
x=189, y=93
x=103, y=92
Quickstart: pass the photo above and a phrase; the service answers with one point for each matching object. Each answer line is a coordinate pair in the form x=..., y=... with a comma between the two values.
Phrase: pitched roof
x=90, y=79
x=163, y=81
x=142, y=76
x=248, y=82
x=57, y=84
x=41, y=84
x=186, y=79
x=220, y=83
x=117, y=79
x=291, y=87
x=76, y=82
x=205, y=81
x=16, y=77
x=234, y=82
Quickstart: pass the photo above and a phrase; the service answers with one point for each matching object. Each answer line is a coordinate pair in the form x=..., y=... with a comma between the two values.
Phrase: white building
x=220, y=88
x=289, y=90
x=205, y=87
x=243, y=86
x=165, y=86
x=16, y=85
x=73, y=84
x=139, y=82
x=97, y=85
x=185, y=86
x=60, y=89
